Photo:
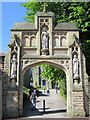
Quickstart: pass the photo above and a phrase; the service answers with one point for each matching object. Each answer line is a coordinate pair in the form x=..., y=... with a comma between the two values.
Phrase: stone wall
x=89, y=96
x=4, y=94
x=77, y=106
x=0, y=94
x=5, y=81
x=85, y=85
x=12, y=103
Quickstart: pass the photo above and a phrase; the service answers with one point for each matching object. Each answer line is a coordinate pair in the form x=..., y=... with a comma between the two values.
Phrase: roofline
x=3, y=52
x=65, y=30
x=37, y=30
x=23, y=30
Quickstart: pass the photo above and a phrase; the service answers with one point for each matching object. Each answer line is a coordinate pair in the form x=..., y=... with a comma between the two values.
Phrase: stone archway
x=68, y=57
x=60, y=66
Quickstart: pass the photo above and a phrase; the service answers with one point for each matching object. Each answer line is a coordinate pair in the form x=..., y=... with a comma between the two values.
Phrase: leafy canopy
x=52, y=73
x=57, y=76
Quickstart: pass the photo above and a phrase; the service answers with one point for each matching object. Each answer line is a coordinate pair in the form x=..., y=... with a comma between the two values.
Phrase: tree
x=57, y=76
x=77, y=12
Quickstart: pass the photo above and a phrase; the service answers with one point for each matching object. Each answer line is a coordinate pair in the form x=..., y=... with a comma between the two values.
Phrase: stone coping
x=29, y=48
x=59, y=48
x=45, y=57
x=31, y=27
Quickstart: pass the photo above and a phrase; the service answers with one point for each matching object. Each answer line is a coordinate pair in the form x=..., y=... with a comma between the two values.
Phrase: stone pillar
x=18, y=66
x=80, y=64
x=50, y=35
x=9, y=65
x=78, y=103
x=69, y=94
x=69, y=78
x=20, y=95
x=12, y=103
x=89, y=96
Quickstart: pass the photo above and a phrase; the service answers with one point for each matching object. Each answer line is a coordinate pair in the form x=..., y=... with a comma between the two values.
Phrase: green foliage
x=77, y=12
x=52, y=73
x=26, y=90
x=63, y=88
x=57, y=76
x=89, y=78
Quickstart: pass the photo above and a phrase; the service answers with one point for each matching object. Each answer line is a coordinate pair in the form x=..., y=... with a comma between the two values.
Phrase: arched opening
x=32, y=41
x=63, y=41
x=56, y=41
x=26, y=41
x=41, y=85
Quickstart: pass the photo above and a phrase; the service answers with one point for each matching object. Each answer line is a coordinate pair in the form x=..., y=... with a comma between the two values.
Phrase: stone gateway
x=45, y=42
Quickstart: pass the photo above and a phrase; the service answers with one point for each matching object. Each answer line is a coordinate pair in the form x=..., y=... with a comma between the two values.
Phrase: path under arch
x=55, y=106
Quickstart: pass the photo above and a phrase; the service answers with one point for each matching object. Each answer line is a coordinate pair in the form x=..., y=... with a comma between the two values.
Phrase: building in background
x=32, y=78
x=2, y=56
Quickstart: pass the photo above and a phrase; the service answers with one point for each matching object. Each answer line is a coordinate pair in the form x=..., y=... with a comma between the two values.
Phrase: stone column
x=20, y=95
x=69, y=78
x=50, y=36
x=37, y=76
x=78, y=103
x=38, y=37
x=9, y=64
x=18, y=66
x=89, y=96
x=80, y=64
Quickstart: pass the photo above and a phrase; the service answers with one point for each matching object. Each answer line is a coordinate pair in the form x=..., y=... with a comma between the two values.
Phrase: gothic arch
x=26, y=41
x=63, y=41
x=56, y=41
x=56, y=64
x=44, y=62
x=32, y=41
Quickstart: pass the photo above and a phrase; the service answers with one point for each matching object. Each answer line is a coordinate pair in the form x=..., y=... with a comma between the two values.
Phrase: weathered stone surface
x=66, y=26
x=0, y=94
x=63, y=44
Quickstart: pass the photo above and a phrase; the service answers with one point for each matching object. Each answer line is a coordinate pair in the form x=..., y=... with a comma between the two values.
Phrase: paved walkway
x=55, y=109
x=55, y=106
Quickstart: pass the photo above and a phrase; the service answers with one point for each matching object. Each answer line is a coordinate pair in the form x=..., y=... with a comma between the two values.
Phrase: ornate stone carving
x=75, y=69
x=67, y=64
x=44, y=21
x=29, y=39
x=44, y=41
x=13, y=66
x=45, y=38
x=59, y=40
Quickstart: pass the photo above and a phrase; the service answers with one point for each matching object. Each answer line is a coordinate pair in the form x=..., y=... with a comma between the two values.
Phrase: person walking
x=33, y=99
x=48, y=90
x=56, y=88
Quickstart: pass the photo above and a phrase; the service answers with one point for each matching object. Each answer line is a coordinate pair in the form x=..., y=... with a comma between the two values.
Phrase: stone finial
x=44, y=7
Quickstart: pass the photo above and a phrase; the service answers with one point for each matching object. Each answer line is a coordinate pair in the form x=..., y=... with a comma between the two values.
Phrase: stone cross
x=44, y=9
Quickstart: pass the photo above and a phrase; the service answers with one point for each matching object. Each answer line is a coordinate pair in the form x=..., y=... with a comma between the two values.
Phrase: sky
x=11, y=12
